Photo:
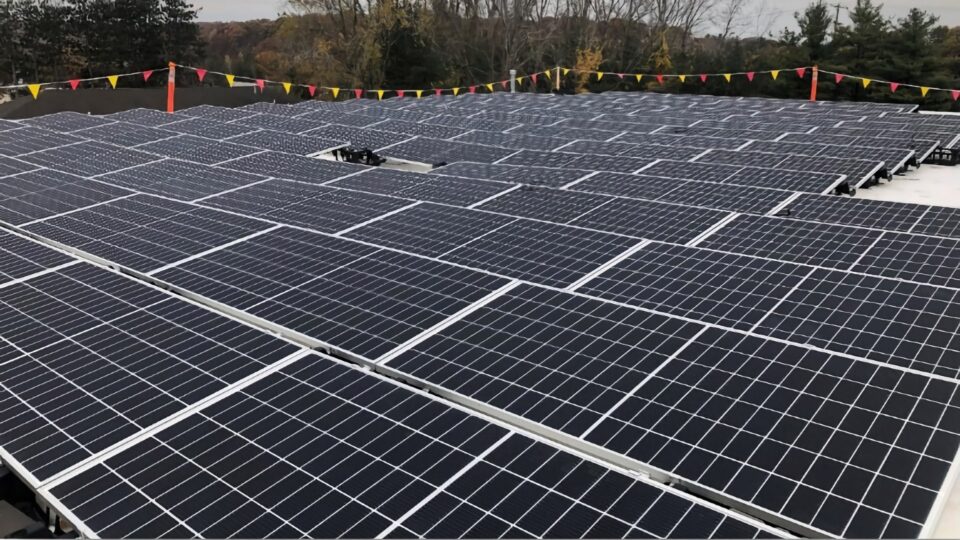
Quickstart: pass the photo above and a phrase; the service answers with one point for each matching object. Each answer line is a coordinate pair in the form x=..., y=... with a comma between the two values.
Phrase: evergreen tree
x=814, y=24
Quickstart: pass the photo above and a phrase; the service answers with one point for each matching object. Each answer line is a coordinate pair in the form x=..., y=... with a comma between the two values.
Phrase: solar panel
x=306, y=205
x=26, y=140
x=291, y=167
x=415, y=186
x=546, y=204
x=124, y=134
x=10, y=166
x=845, y=447
x=199, y=149
x=891, y=321
x=364, y=307
x=179, y=179
x=89, y=158
x=145, y=232
x=891, y=216
x=359, y=137
x=939, y=221
x=40, y=194
x=542, y=176
x=208, y=128
x=414, y=128
x=66, y=121
x=20, y=258
x=366, y=458
x=804, y=242
x=735, y=291
x=651, y=220
x=924, y=259
x=704, y=172
x=302, y=145
x=439, y=151
x=637, y=186
x=119, y=357
x=146, y=117
x=278, y=123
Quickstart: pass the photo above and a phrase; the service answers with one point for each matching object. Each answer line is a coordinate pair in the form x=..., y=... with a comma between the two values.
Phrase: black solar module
x=26, y=140
x=119, y=356
x=439, y=151
x=198, y=149
x=146, y=117
x=372, y=139
x=543, y=176
x=145, y=232
x=89, y=158
x=302, y=145
x=20, y=258
x=912, y=257
x=278, y=122
x=546, y=204
x=316, y=207
x=322, y=450
x=180, y=180
x=291, y=167
x=891, y=216
x=651, y=220
x=10, y=166
x=44, y=193
x=67, y=121
x=805, y=242
x=423, y=187
x=849, y=448
x=124, y=134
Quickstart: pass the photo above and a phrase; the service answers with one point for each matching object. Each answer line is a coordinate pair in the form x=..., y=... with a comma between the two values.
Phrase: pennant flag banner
x=504, y=84
x=801, y=72
x=534, y=78
x=379, y=95
x=472, y=89
x=866, y=82
x=287, y=86
x=34, y=90
x=147, y=74
x=620, y=76
x=683, y=78
x=456, y=91
x=660, y=79
x=565, y=71
x=74, y=83
x=336, y=92
x=230, y=79
x=955, y=94
x=894, y=86
x=924, y=91
x=837, y=78
x=703, y=79
x=639, y=77
x=312, y=89
x=489, y=86
x=775, y=73
x=519, y=80
x=201, y=73
x=260, y=84
x=599, y=75
x=727, y=76
x=357, y=92
x=419, y=94
x=547, y=73
x=436, y=91
x=750, y=76
x=113, y=80
x=400, y=93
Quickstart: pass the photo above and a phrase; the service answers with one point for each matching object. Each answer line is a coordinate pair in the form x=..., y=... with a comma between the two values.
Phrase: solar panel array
x=637, y=315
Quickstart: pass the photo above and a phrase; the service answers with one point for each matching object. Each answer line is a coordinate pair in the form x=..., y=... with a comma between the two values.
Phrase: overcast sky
x=780, y=12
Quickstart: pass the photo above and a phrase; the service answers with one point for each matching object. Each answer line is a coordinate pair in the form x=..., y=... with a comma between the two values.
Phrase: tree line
x=443, y=43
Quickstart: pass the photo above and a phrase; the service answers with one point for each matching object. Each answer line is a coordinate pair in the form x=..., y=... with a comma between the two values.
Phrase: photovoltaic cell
x=805, y=242
x=301, y=145
x=89, y=158
x=291, y=167
x=546, y=204
x=124, y=134
x=891, y=216
x=209, y=128
x=20, y=258
x=25, y=140
x=67, y=121
x=180, y=179
x=10, y=166
x=850, y=448
x=915, y=258
x=43, y=193
x=651, y=220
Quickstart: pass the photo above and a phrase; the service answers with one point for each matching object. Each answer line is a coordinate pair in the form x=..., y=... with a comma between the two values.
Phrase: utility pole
x=836, y=19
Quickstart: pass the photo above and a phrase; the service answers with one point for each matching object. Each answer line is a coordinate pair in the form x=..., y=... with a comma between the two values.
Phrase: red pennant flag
x=472, y=89
x=358, y=92
x=260, y=84
x=504, y=84
x=703, y=79
x=660, y=79
x=620, y=75
x=838, y=77
x=147, y=74
x=312, y=89
x=955, y=94
x=436, y=91
x=750, y=76
x=400, y=93
x=802, y=72
x=201, y=73
x=74, y=83
x=534, y=78
x=894, y=86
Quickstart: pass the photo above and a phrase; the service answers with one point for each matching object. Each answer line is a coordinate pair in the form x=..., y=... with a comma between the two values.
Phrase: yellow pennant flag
x=727, y=76
x=639, y=77
x=866, y=82
x=286, y=87
x=34, y=90
x=599, y=75
x=113, y=80
x=565, y=71
x=456, y=90
x=419, y=93
x=547, y=73
x=489, y=86
x=924, y=91
x=379, y=95
x=230, y=79
x=683, y=78
x=336, y=92
x=519, y=80
x=775, y=73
